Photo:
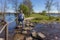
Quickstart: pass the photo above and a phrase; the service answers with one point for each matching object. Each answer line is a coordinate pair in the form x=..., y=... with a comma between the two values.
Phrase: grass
x=38, y=17
x=43, y=18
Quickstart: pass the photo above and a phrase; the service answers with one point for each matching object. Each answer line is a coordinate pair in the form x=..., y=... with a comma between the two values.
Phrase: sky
x=38, y=5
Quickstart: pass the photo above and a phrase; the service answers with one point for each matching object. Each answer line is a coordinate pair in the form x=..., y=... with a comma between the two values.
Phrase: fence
x=5, y=27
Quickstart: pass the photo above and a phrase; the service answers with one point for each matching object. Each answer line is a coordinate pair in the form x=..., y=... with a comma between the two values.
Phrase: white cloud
x=53, y=11
x=11, y=11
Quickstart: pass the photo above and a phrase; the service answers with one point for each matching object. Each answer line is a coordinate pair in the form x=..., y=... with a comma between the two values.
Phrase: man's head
x=21, y=11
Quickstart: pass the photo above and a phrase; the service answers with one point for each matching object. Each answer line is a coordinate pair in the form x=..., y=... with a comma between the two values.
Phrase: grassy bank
x=43, y=18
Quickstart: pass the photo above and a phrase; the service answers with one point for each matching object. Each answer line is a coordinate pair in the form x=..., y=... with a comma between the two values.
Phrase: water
x=54, y=14
x=51, y=30
x=9, y=18
x=53, y=24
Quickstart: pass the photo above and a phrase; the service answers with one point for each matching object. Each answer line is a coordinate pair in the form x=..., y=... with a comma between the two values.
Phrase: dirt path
x=30, y=18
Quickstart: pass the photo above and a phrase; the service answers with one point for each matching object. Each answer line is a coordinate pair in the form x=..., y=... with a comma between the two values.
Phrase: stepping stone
x=31, y=24
x=1, y=38
x=29, y=38
x=17, y=31
x=34, y=34
x=41, y=35
x=20, y=26
x=56, y=37
x=19, y=37
x=24, y=32
x=27, y=25
x=28, y=28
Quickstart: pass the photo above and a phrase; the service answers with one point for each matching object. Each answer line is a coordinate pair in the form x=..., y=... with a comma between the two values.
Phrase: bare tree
x=58, y=7
x=14, y=3
x=4, y=8
x=5, y=5
x=49, y=4
x=1, y=6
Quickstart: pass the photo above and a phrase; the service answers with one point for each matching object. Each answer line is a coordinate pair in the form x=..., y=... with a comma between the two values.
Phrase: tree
x=24, y=8
x=15, y=7
x=14, y=4
x=5, y=5
x=58, y=7
x=44, y=12
x=4, y=8
x=49, y=4
x=0, y=5
x=29, y=4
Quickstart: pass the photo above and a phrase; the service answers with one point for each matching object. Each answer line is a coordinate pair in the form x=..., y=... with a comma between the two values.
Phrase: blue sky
x=38, y=5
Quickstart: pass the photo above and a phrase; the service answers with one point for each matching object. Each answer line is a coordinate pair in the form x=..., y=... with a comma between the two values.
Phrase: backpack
x=21, y=17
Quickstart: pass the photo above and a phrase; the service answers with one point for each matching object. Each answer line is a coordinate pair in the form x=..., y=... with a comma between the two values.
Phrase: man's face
x=21, y=11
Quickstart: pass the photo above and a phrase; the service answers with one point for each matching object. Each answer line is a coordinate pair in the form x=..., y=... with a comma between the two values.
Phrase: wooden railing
x=5, y=27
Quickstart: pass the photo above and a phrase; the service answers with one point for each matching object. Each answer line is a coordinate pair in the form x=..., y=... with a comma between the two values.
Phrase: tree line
x=27, y=6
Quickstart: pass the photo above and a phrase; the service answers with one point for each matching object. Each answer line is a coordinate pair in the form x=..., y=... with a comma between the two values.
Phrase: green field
x=43, y=18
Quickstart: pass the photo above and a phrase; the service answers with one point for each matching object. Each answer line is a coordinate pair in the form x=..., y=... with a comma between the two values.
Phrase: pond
x=51, y=31
x=9, y=18
x=54, y=14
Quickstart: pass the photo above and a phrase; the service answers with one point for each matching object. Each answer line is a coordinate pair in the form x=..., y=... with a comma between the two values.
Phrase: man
x=21, y=18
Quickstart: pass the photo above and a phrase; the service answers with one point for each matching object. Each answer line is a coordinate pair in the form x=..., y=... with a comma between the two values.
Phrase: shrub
x=25, y=9
x=51, y=18
x=57, y=19
x=43, y=13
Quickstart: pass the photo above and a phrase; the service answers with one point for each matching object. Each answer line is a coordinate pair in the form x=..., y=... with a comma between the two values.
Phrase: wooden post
x=16, y=2
x=6, y=33
x=4, y=9
x=17, y=18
